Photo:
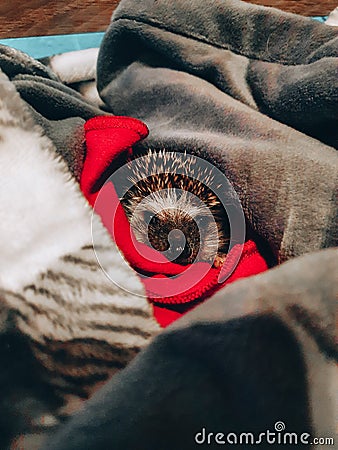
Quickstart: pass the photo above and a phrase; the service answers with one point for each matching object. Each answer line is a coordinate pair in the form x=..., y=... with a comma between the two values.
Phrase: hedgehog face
x=175, y=213
x=177, y=223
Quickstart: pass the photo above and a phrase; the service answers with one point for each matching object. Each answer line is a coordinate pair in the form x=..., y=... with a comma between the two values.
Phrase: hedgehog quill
x=172, y=208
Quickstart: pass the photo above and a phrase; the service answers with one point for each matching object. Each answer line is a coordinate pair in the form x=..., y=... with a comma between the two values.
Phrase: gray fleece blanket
x=254, y=91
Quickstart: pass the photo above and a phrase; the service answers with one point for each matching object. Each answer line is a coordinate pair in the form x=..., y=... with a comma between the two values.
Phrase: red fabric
x=173, y=289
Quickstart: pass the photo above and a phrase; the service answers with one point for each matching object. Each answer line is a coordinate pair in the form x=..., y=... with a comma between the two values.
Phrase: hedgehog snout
x=178, y=248
x=177, y=239
x=175, y=235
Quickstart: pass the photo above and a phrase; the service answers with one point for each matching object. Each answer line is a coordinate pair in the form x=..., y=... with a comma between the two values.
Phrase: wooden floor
x=45, y=17
x=304, y=7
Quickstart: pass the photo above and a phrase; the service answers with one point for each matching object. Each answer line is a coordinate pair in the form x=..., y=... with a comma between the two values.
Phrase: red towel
x=172, y=289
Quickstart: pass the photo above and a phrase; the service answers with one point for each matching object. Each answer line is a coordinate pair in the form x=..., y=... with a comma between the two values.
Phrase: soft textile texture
x=221, y=79
x=64, y=326
x=260, y=352
x=254, y=91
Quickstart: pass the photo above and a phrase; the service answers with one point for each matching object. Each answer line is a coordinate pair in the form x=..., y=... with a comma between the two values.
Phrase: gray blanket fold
x=60, y=110
x=236, y=364
x=201, y=75
x=259, y=56
x=254, y=91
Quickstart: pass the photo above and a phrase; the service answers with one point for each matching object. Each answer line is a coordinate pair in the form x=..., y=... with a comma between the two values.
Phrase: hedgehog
x=172, y=208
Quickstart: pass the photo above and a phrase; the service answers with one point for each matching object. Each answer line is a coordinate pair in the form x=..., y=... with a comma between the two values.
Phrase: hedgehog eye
x=147, y=215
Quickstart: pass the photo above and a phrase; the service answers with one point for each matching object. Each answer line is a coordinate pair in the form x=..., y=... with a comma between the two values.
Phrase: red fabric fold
x=106, y=138
x=173, y=289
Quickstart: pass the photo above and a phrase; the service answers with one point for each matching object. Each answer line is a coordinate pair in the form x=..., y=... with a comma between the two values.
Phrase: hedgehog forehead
x=173, y=181
x=173, y=203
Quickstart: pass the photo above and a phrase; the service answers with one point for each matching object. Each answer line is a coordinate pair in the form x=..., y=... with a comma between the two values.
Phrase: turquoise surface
x=321, y=19
x=41, y=46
